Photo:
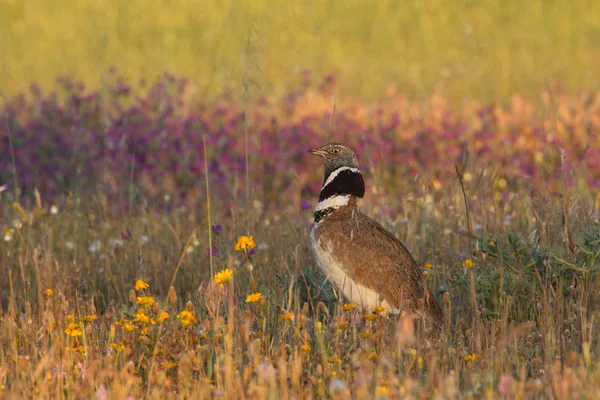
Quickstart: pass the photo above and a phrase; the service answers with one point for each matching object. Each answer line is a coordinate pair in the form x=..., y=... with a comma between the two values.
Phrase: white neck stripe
x=335, y=173
x=332, y=202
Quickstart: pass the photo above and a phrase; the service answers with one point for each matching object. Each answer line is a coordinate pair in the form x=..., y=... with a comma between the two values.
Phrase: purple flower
x=217, y=228
x=305, y=205
x=215, y=251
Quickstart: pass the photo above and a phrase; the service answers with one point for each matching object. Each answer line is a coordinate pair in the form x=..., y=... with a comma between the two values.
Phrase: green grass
x=485, y=50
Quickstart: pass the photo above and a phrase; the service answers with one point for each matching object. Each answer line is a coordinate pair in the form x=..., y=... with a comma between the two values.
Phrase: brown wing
x=391, y=270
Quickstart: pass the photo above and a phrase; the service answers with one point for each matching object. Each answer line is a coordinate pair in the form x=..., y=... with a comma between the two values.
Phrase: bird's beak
x=317, y=151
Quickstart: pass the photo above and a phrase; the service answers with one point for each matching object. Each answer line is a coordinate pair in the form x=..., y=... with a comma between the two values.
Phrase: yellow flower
x=468, y=263
x=128, y=326
x=223, y=277
x=142, y=317
x=370, y=317
x=428, y=265
x=145, y=301
x=286, y=316
x=74, y=330
x=187, y=317
x=471, y=357
x=305, y=348
x=413, y=352
x=349, y=306
x=365, y=335
x=492, y=243
x=162, y=316
x=372, y=356
x=382, y=390
x=70, y=317
x=342, y=325
x=245, y=242
x=141, y=285
x=420, y=362
x=253, y=298
x=77, y=347
x=90, y=318
x=167, y=365
x=48, y=292
x=379, y=309
x=118, y=347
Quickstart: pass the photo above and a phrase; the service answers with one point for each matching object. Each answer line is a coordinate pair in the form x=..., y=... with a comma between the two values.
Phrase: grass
x=486, y=50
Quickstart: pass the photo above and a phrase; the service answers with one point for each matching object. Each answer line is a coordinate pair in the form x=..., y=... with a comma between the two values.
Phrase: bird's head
x=336, y=155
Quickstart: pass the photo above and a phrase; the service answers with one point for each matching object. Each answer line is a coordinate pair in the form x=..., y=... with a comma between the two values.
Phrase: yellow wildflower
x=128, y=326
x=305, y=348
x=365, y=335
x=70, y=317
x=382, y=390
x=77, y=347
x=145, y=301
x=223, y=277
x=420, y=362
x=187, y=317
x=253, y=298
x=342, y=325
x=372, y=356
x=90, y=318
x=162, y=316
x=468, y=263
x=471, y=357
x=118, y=347
x=286, y=316
x=413, y=352
x=141, y=285
x=428, y=265
x=48, y=292
x=74, y=330
x=370, y=317
x=492, y=243
x=142, y=317
x=379, y=309
x=167, y=365
x=349, y=306
x=245, y=242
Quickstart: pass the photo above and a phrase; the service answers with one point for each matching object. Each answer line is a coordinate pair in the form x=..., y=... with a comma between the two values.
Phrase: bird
x=364, y=261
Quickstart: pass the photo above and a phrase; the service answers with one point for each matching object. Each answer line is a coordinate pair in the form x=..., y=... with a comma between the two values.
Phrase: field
x=116, y=237
x=154, y=226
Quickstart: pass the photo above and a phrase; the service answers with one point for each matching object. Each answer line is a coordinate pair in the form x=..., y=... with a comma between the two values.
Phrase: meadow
x=154, y=245
x=154, y=226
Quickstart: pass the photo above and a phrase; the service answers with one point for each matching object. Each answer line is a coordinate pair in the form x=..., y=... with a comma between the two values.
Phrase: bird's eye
x=335, y=150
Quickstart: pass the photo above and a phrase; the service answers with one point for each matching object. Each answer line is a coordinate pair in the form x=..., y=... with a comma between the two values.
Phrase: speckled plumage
x=367, y=263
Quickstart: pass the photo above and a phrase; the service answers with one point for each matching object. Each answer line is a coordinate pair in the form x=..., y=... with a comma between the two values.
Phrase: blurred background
x=485, y=50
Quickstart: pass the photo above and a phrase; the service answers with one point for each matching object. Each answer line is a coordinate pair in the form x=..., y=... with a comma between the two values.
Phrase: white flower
x=115, y=242
x=53, y=210
x=69, y=245
x=8, y=236
x=17, y=224
x=144, y=239
x=95, y=246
